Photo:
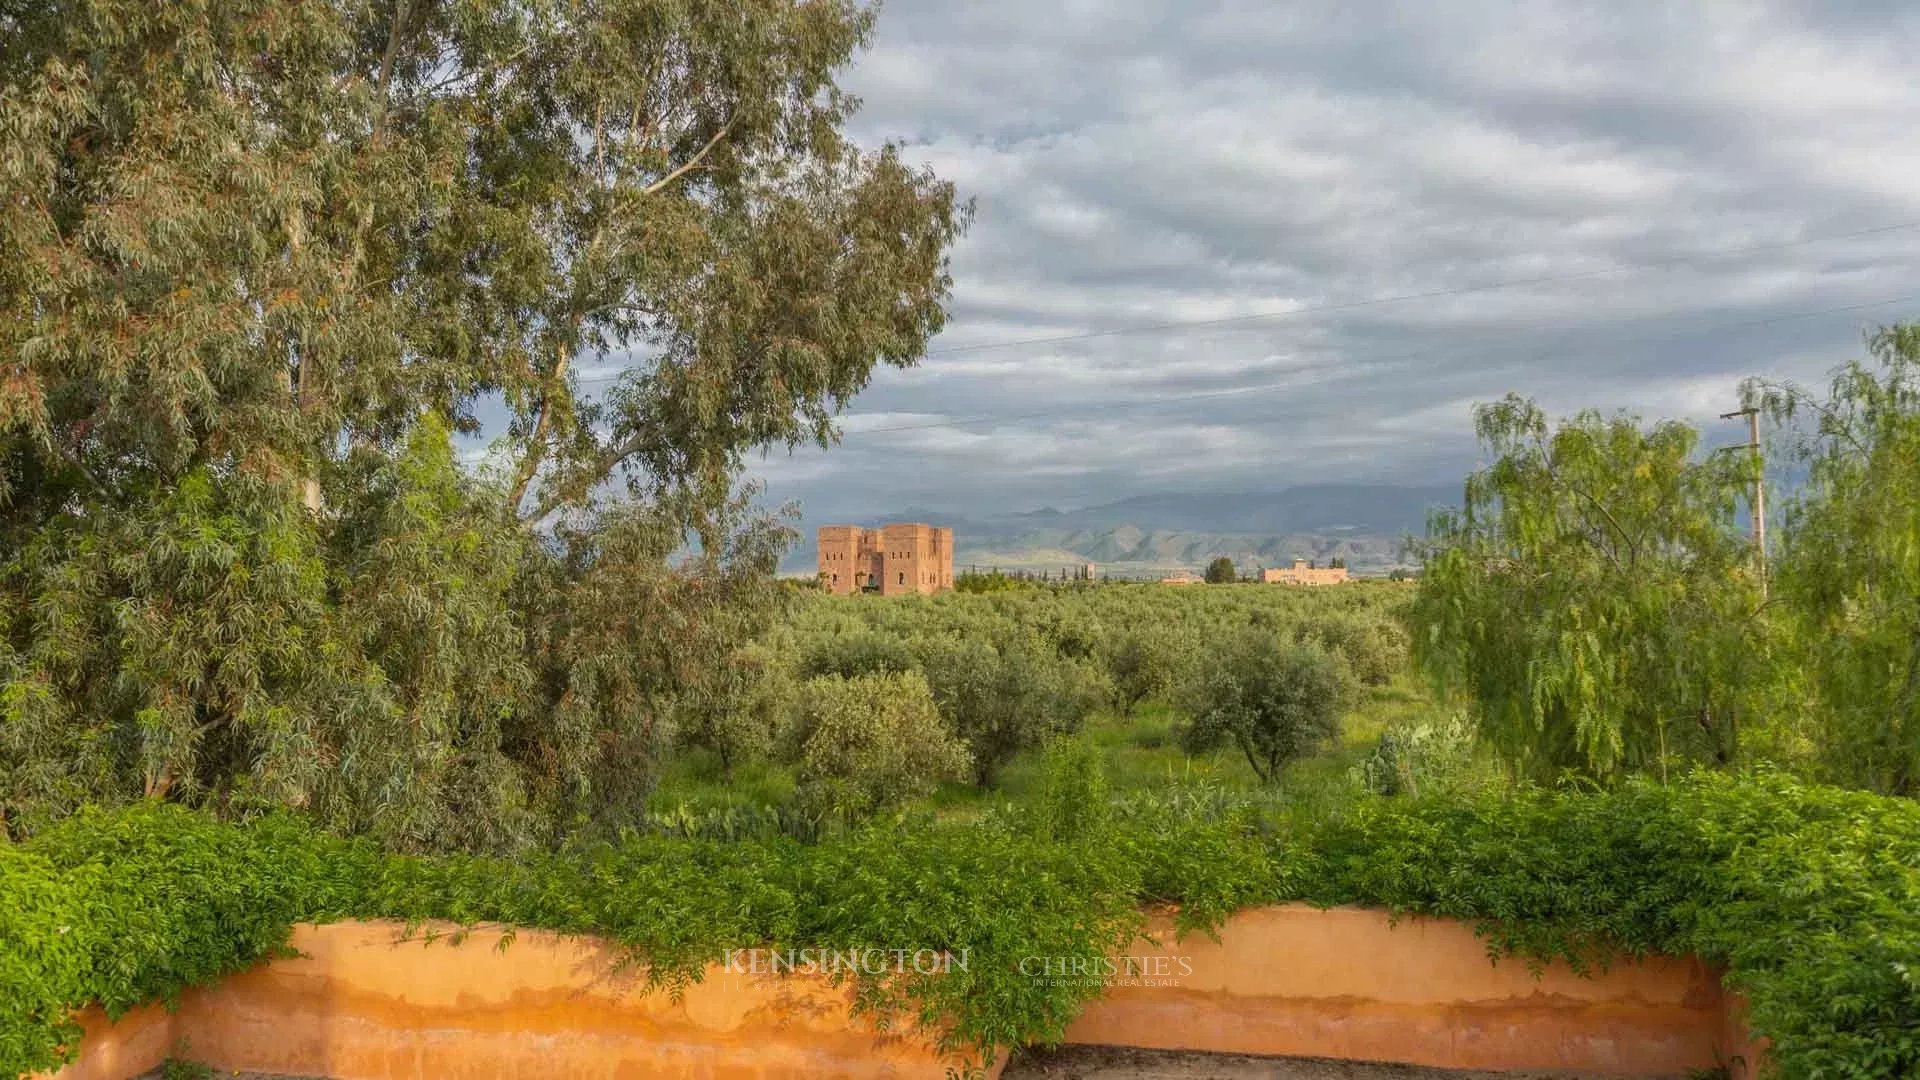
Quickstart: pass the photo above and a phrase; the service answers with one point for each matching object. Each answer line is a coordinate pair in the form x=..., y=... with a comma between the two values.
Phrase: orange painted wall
x=364, y=1004
x=115, y=1050
x=1349, y=983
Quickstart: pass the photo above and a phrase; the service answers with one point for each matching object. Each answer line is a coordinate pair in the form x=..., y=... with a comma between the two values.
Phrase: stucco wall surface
x=368, y=1001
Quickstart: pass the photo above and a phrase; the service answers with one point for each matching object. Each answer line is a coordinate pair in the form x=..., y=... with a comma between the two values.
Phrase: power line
x=1271, y=387
x=1399, y=298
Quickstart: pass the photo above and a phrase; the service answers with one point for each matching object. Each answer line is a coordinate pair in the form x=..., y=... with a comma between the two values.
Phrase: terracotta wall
x=1350, y=983
x=1302, y=574
x=364, y=1004
x=137, y=1042
x=898, y=559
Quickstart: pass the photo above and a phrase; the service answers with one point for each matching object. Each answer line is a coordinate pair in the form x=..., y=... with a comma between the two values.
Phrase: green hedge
x=1810, y=895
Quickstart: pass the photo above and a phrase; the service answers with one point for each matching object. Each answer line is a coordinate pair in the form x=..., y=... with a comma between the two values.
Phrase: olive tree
x=1148, y=661
x=1373, y=648
x=1275, y=701
x=859, y=652
x=871, y=742
x=1003, y=690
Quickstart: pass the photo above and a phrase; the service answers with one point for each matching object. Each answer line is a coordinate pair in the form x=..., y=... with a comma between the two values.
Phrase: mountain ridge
x=1145, y=535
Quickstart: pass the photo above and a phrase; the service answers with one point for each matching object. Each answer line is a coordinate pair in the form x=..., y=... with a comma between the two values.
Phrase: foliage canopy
x=1594, y=595
x=1599, y=604
x=870, y=743
x=261, y=264
x=1275, y=701
x=1847, y=576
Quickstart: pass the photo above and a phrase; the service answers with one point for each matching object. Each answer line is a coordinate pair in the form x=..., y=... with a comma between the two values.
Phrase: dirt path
x=1111, y=1063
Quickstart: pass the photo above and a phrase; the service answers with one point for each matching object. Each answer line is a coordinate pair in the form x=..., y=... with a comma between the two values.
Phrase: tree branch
x=401, y=9
x=1546, y=459
x=1796, y=394
x=608, y=460
x=537, y=442
x=691, y=163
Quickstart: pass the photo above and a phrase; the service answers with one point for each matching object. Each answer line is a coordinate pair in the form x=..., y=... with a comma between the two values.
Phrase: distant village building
x=896, y=559
x=1182, y=578
x=1300, y=573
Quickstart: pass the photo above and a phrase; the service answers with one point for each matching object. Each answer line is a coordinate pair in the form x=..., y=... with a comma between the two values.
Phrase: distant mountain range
x=1148, y=535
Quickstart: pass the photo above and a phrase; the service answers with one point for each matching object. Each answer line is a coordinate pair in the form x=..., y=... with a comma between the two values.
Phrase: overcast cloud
x=1142, y=163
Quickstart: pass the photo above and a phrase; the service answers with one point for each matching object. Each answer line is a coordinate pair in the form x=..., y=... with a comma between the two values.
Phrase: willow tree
x=1594, y=596
x=1848, y=567
x=260, y=261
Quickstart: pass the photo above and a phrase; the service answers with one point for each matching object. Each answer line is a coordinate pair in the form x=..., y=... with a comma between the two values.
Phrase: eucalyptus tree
x=1594, y=596
x=261, y=261
x=1847, y=571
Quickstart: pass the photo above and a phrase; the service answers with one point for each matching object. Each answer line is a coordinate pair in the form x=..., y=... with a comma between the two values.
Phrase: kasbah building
x=1304, y=573
x=896, y=559
x=1301, y=572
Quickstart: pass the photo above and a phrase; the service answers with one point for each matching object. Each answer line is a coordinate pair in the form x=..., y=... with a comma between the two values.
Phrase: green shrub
x=862, y=652
x=740, y=821
x=1419, y=756
x=1275, y=702
x=44, y=965
x=1373, y=649
x=1006, y=693
x=181, y=1069
x=175, y=899
x=1148, y=662
x=870, y=743
x=739, y=711
x=1074, y=799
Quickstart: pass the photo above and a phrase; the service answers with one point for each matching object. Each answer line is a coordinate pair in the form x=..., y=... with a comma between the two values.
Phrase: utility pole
x=1759, y=504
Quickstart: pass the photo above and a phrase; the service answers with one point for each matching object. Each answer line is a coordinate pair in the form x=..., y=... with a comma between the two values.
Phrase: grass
x=697, y=780
x=1140, y=752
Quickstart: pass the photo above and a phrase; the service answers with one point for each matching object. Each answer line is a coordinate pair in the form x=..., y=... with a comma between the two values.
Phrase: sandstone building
x=1302, y=574
x=892, y=560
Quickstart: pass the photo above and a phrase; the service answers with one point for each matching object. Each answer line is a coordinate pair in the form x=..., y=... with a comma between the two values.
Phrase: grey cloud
x=1136, y=164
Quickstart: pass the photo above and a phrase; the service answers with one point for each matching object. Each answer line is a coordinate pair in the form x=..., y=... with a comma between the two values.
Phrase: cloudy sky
x=1698, y=175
